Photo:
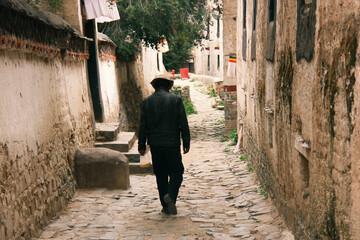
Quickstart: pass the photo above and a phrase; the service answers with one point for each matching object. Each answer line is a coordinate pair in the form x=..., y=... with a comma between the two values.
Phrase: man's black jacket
x=163, y=121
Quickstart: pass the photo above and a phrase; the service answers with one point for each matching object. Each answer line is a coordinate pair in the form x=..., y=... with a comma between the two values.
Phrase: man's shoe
x=170, y=204
x=165, y=211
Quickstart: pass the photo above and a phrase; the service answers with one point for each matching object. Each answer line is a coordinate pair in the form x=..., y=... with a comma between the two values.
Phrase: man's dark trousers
x=167, y=162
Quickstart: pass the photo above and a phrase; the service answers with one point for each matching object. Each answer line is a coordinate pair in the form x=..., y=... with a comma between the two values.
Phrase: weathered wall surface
x=134, y=79
x=298, y=105
x=229, y=75
x=109, y=83
x=45, y=115
x=109, y=90
x=152, y=65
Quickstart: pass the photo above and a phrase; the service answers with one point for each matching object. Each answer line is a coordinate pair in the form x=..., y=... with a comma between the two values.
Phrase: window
x=244, y=14
x=305, y=33
x=218, y=62
x=208, y=65
x=253, y=34
x=254, y=15
x=158, y=61
x=244, y=37
x=218, y=28
x=271, y=10
x=304, y=170
x=271, y=30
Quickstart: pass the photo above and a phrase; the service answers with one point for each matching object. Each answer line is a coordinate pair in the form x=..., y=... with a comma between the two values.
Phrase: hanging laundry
x=101, y=10
x=231, y=71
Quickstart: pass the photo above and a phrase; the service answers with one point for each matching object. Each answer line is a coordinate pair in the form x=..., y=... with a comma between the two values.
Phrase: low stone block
x=101, y=168
x=136, y=169
x=106, y=131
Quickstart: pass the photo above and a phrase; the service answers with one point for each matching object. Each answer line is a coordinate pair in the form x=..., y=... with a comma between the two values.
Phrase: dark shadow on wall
x=131, y=96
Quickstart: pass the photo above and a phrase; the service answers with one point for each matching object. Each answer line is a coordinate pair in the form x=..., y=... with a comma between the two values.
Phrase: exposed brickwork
x=45, y=115
x=37, y=184
x=230, y=104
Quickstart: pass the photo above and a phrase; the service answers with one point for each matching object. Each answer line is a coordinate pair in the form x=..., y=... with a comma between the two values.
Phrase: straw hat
x=162, y=76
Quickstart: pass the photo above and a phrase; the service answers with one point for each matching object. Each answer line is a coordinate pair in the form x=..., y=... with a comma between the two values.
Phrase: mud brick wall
x=230, y=108
x=45, y=114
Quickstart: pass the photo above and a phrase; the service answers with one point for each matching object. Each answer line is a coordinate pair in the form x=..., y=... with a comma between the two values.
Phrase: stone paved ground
x=219, y=198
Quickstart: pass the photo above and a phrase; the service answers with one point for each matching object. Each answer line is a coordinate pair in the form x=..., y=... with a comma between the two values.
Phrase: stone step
x=136, y=169
x=123, y=143
x=106, y=131
x=133, y=155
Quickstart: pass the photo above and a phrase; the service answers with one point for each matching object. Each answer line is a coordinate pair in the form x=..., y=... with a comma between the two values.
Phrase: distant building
x=208, y=58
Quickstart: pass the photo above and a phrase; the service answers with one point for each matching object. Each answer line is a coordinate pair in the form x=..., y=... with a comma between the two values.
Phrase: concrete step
x=133, y=155
x=134, y=161
x=136, y=169
x=106, y=131
x=123, y=143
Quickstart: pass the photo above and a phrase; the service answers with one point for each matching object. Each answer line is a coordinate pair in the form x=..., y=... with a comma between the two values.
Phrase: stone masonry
x=298, y=99
x=45, y=115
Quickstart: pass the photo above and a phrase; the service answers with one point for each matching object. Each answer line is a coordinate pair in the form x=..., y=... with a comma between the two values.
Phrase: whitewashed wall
x=45, y=115
x=109, y=90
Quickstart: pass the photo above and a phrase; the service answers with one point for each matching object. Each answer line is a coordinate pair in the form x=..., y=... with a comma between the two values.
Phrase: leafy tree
x=181, y=22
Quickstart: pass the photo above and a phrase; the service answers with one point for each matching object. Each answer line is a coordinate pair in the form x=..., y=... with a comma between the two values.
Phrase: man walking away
x=162, y=123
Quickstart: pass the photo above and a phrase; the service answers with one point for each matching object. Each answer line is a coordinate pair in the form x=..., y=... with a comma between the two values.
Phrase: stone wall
x=297, y=100
x=134, y=79
x=230, y=108
x=45, y=115
x=229, y=77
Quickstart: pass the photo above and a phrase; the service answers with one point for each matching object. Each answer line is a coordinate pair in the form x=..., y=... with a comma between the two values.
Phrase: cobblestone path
x=219, y=199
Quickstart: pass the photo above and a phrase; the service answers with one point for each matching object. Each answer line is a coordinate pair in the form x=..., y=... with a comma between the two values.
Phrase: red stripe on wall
x=230, y=88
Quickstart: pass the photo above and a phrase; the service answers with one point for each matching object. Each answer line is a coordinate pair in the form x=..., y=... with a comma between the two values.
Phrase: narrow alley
x=219, y=199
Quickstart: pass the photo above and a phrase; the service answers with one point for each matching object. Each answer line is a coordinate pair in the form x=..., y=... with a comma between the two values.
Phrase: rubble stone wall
x=45, y=115
x=133, y=87
x=299, y=112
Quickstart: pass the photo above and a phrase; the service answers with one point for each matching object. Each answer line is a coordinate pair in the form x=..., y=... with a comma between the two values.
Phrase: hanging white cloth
x=101, y=10
x=231, y=70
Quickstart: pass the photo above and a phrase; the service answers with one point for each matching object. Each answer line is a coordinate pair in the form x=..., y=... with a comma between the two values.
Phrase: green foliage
x=219, y=134
x=243, y=157
x=192, y=80
x=263, y=192
x=189, y=107
x=181, y=22
x=226, y=150
x=221, y=103
x=211, y=92
x=54, y=4
x=250, y=168
x=220, y=122
x=232, y=136
x=176, y=90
